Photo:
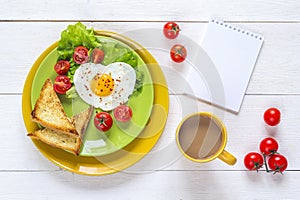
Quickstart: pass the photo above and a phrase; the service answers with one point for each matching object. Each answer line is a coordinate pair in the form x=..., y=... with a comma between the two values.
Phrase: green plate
x=97, y=143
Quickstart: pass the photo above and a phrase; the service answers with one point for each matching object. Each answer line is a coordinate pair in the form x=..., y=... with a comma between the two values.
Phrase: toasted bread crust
x=81, y=120
x=71, y=143
x=48, y=111
x=59, y=131
x=58, y=139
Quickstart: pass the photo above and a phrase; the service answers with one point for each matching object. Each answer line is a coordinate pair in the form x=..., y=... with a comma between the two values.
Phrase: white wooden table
x=29, y=27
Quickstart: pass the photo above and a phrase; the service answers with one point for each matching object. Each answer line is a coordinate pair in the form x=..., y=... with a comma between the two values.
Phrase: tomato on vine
x=277, y=163
x=253, y=161
x=268, y=146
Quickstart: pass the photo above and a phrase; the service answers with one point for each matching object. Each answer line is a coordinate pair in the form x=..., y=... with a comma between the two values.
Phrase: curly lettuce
x=76, y=35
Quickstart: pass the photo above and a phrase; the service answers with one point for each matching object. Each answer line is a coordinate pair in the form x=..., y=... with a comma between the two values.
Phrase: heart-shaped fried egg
x=105, y=87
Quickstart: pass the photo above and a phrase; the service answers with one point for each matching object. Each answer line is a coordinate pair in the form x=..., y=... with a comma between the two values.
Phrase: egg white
x=124, y=80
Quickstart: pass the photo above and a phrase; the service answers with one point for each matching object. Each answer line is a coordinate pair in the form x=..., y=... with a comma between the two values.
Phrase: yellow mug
x=202, y=137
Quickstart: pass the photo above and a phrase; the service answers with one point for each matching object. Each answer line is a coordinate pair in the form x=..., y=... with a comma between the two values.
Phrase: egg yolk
x=102, y=85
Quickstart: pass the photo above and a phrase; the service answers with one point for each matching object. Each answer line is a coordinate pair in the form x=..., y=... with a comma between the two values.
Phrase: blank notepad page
x=234, y=52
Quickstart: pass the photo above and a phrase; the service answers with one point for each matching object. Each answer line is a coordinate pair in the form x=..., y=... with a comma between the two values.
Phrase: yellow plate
x=125, y=157
x=97, y=143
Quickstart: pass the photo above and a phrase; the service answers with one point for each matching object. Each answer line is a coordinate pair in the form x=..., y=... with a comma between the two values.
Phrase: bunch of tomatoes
x=268, y=156
x=178, y=52
x=103, y=121
x=80, y=56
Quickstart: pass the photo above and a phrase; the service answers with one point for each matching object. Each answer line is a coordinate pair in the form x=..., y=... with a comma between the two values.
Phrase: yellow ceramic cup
x=202, y=137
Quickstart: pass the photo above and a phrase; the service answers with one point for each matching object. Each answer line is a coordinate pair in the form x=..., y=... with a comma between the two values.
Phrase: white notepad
x=234, y=52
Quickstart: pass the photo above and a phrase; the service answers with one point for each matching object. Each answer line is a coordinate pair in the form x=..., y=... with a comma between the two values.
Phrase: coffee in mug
x=202, y=137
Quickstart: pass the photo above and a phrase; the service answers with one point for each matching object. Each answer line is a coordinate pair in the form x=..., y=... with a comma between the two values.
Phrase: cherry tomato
x=253, y=161
x=103, y=121
x=97, y=55
x=123, y=113
x=268, y=146
x=62, y=84
x=178, y=53
x=277, y=163
x=62, y=67
x=80, y=55
x=272, y=116
x=171, y=30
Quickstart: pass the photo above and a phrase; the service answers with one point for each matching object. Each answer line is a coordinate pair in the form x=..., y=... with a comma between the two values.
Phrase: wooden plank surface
x=157, y=185
x=276, y=71
x=245, y=131
x=155, y=10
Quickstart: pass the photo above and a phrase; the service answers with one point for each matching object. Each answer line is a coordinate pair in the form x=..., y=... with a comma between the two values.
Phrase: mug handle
x=227, y=157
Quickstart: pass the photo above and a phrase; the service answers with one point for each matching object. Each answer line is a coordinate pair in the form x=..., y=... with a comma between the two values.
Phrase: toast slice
x=65, y=141
x=81, y=120
x=48, y=111
x=57, y=139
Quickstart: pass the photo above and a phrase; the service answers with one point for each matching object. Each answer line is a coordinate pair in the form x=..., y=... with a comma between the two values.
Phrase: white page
x=234, y=52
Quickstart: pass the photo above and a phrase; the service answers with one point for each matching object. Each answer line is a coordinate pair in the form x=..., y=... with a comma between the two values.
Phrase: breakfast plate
x=98, y=143
x=125, y=154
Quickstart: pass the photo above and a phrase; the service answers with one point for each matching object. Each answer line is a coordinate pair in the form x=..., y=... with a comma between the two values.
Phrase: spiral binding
x=240, y=30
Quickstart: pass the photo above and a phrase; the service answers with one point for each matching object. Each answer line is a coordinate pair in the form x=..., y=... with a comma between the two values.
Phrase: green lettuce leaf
x=76, y=35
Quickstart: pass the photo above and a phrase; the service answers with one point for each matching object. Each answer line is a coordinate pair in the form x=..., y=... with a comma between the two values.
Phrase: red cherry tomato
x=103, y=121
x=277, y=163
x=62, y=67
x=171, y=30
x=123, y=113
x=62, y=84
x=178, y=53
x=272, y=116
x=268, y=146
x=81, y=55
x=253, y=161
x=97, y=55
